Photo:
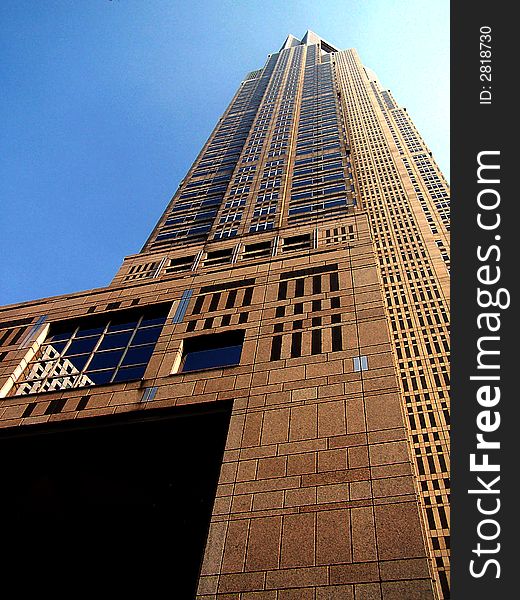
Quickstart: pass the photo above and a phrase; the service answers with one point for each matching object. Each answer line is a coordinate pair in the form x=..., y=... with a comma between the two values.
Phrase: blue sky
x=106, y=103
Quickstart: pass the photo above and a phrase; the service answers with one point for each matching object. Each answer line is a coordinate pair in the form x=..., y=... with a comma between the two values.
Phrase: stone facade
x=333, y=482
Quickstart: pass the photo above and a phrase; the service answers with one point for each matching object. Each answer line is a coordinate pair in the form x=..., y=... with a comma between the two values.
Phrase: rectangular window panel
x=299, y=288
x=276, y=348
x=334, y=282
x=282, y=290
x=316, y=284
x=215, y=299
x=337, y=339
x=248, y=296
x=115, y=340
x=212, y=351
x=296, y=344
x=232, y=296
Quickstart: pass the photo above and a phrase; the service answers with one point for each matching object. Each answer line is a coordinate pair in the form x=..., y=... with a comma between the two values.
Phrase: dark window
x=276, y=347
x=211, y=351
x=219, y=257
x=115, y=340
x=316, y=284
x=95, y=350
x=198, y=305
x=105, y=360
x=300, y=288
x=82, y=404
x=215, y=299
x=232, y=296
x=129, y=373
x=178, y=265
x=248, y=295
x=257, y=250
x=337, y=339
x=297, y=242
x=282, y=290
x=296, y=344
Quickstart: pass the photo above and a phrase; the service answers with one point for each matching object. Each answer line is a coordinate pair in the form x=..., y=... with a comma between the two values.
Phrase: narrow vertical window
x=296, y=344
x=316, y=341
x=198, y=305
x=316, y=284
x=276, y=347
x=248, y=295
x=215, y=299
x=337, y=339
x=300, y=288
x=231, y=299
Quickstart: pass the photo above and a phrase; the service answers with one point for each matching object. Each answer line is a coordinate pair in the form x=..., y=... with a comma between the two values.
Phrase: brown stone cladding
x=315, y=497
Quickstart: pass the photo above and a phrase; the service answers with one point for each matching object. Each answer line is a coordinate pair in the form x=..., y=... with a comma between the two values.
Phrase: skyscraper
x=261, y=394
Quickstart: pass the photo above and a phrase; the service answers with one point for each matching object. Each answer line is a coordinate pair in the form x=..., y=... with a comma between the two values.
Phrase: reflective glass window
x=94, y=350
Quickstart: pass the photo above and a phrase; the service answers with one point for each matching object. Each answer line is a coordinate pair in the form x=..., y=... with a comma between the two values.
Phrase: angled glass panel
x=86, y=331
x=115, y=340
x=82, y=345
x=146, y=336
x=98, y=377
x=130, y=373
x=139, y=354
x=105, y=360
x=76, y=362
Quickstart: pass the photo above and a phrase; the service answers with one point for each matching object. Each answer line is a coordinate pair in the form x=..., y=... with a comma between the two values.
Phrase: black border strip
x=477, y=127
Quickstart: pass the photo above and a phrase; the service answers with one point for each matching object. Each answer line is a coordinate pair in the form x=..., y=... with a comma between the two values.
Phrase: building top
x=310, y=38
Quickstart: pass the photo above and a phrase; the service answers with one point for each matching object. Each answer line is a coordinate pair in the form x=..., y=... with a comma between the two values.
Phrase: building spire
x=309, y=39
x=290, y=42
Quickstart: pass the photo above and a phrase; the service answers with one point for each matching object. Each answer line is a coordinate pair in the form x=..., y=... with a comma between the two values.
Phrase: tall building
x=257, y=406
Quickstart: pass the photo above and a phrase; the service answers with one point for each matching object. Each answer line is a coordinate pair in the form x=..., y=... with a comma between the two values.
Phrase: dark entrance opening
x=111, y=505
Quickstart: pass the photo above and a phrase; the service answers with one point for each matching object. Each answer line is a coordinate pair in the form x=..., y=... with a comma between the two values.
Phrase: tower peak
x=310, y=38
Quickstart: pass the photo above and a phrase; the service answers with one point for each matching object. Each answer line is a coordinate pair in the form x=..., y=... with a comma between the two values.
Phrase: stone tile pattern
x=316, y=496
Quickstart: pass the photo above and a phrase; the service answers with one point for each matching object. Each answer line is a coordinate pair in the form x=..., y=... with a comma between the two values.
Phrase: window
x=94, y=350
x=212, y=351
x=262, y=249
x=180, y=264
x=263, y=211
x=264, y=226
x=219, y=257
x=142, y=271
x=297, y=242
x=226, y=233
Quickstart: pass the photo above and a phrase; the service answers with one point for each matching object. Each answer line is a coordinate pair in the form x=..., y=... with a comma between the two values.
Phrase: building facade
x=279, y=347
